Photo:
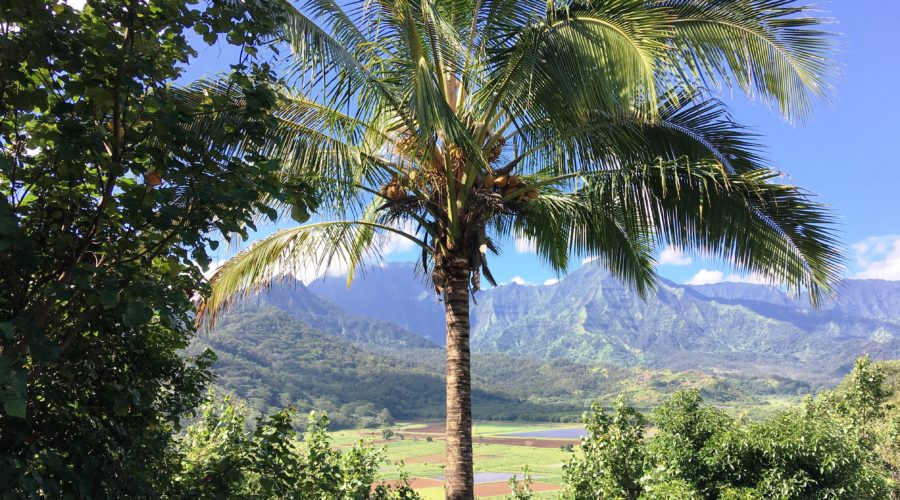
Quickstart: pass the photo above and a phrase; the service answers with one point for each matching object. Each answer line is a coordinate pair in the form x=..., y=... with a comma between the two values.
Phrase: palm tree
x=587, y=126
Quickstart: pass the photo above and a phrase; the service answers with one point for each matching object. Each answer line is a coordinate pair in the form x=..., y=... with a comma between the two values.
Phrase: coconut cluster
x=394, y=189
x=509, y=184
x=496, y=150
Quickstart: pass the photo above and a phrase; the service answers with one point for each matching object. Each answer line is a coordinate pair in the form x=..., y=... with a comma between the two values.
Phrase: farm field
x=498, y=456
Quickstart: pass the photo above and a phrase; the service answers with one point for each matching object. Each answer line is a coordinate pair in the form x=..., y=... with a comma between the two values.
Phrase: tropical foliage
x=825, y=450
x=584, y=126
x=433, y=120
x=223, y=458
x=110, y=204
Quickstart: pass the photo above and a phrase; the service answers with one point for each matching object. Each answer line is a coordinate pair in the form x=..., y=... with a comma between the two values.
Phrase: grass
x=418, y=457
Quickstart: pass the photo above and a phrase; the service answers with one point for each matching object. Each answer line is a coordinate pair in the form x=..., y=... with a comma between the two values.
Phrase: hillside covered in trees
x=271, y=359
x=591, y=317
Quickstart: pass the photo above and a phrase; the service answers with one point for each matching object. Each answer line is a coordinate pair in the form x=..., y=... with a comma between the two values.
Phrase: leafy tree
x=699, y=452
x=521, y=490
x=861, y=396
x=580, y=125
x=110, y=201
x=225, y=459
x=867, y=403
x=612, y=460
x=688, y=429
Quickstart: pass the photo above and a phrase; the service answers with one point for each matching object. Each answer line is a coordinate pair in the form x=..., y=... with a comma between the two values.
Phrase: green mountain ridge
x=271, y=359
x=591, y=317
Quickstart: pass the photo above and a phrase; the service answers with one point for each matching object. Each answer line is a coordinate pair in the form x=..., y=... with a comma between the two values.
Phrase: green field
x=419, y=458
x=409, y=450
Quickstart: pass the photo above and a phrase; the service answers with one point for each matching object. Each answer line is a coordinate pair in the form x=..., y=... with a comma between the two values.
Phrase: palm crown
x=586, y=126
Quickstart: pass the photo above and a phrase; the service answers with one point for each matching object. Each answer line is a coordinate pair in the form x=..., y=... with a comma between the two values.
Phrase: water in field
x=567, y=433
x=493, y=477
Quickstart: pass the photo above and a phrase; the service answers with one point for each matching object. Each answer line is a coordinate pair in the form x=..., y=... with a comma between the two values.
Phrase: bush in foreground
x=822, y=451
x=223, y=457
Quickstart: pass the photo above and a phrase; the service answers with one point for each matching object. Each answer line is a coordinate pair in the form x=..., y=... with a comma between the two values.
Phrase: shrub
x=700, y=452
x=223, y=458
x=612, y=455
x=521, y=490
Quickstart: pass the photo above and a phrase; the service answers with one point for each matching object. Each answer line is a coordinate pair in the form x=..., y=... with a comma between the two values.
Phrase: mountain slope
x=872, y=299
x=394, y=292
x=591, y=317
x=271, y=359
x=292, y=297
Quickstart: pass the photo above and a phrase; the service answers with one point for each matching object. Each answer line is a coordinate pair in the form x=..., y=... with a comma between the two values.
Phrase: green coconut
x=300, y=213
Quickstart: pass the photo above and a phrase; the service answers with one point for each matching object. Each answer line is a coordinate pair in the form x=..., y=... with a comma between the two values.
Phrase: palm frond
x=586, y=56
x=746, y=219
x=571, y=225
x=769, y=48
x=688, y=127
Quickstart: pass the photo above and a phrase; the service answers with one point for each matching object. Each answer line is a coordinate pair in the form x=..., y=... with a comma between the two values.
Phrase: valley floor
x=498, y=455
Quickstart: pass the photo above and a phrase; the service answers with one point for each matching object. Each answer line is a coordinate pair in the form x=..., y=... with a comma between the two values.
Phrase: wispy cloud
x=671, y=256
x=518, y=280
x=878, y=257
x=394, y=243
x=706, y=277
x=551, y=281
x=525, y=245
x=711, y=277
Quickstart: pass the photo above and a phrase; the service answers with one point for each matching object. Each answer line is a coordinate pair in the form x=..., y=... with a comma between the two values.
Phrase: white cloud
x=394, y=243
x=76, y=4
x=588, y=260
x=525, y=245
x=551, y=281
x=706, y=277
x=711, y=277
x=518, y=280
x=674, y=257
x=878, y=257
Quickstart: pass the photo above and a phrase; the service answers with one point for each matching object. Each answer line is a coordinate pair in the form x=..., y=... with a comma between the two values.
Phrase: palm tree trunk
x=460, y=483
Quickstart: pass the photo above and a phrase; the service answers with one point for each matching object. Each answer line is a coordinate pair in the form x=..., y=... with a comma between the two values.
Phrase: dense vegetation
x=110, y=203
x=270, y=359
x=591, y=318
x=842, y=444
x=117, y=183
x=223, y=457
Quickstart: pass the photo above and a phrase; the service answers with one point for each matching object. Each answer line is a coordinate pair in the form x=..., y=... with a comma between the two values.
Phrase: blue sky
x=847, y=153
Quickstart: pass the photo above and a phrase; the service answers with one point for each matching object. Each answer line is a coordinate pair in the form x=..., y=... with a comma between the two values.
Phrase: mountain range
x=591, y=317
x=373, y=352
